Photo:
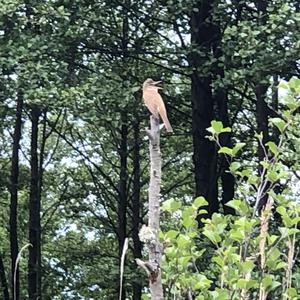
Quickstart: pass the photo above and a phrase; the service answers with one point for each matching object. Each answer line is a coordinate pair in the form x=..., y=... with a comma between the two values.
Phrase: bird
x=154, y=102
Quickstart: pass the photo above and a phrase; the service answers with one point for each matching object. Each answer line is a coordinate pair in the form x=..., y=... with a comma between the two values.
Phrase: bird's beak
x=156, y=82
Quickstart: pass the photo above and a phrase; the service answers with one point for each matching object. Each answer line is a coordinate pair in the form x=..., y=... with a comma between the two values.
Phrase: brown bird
x=154, y=102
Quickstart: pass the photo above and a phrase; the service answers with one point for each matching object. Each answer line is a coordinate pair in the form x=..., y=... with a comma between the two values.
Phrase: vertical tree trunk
x=40, y=186
x=154, y=246
x=204, y=157
x=262, y=116
x=261, y=105
x=13, y=215
x=276, y=132
x=3, y=281
x=136, y=218
x=221, y=99
x=122, y=204
x=123, y=151
x=34, y=290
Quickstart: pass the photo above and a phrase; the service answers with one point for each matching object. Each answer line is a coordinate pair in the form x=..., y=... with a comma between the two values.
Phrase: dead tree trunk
x=150, y=234
x=155, y=248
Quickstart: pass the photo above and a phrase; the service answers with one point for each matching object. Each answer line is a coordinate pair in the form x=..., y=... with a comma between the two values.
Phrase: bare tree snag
x=150, y=234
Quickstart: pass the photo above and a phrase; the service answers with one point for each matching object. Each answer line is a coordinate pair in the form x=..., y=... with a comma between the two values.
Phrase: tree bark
x=34, y=289
x=136, y=218
x=13, y=215
x=202, y=31
x=262, y=117
x=155, y=248
x=221, y=99
x=122, y=203
x=261, y=105
x=3, y=280
x=40, y=188
x=123, y=151
x=275, y=103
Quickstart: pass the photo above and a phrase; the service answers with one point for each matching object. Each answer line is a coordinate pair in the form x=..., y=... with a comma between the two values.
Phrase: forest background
x=74, y=155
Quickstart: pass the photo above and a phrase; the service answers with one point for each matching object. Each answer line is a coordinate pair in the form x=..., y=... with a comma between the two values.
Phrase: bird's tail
x=168, y=125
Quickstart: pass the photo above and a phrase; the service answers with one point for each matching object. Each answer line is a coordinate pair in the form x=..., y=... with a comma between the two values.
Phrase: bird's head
x=150, y=83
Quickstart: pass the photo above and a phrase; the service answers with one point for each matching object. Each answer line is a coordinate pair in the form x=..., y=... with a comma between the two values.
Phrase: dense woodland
x=74, y=156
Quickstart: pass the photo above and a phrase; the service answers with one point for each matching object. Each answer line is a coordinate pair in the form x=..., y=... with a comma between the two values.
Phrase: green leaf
x=171, y=251
x=184, y=260
x=202, y=282
x=199, y=202
x=281, y=265
x=273, y=147
x=171, y=234
x=171, y=205
x=237, y=235
x=265, y=164
x=292, y=231
x=219, y=294
x=240, y=206
x=267, y=281
x=283, y=85
x=212, y=236
x=237, y=148
x=217, y=128
x=272, y=239
x=247, y=266
x=284, y=231
x=226, y=150
x=214, y=128
x=292, y=292
x=273, y=254
x=279, y=123
x=272, y=176
x=242, y=283
x=218, y=260
x=188, y=217
x=294, y=84
x=274, y=285
x=234, y=166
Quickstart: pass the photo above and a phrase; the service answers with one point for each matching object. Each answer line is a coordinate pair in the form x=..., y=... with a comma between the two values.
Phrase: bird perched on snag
x=154, y=102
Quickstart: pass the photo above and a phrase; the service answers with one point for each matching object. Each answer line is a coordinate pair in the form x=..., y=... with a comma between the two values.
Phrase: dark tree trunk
x=262, y=127
x=276, y=132
x=34, y=291
x=202, y=34
x=14, y=182
x=122, y=204
x=4, y=286
x=40, y=186
x=261, y=105
x=136, y=218
x=221, y=99
x=227, y=179
x=262, y=116
x=123, y=152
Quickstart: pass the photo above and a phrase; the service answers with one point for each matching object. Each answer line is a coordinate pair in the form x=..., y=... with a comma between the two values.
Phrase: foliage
x=253, y=254
x=82, y=64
